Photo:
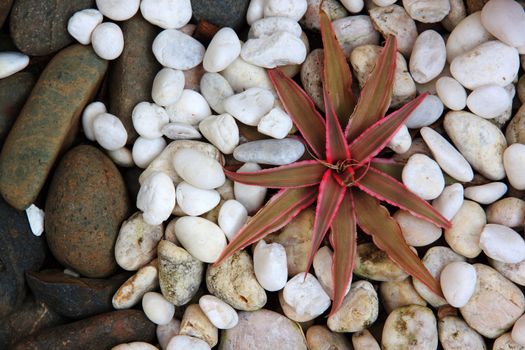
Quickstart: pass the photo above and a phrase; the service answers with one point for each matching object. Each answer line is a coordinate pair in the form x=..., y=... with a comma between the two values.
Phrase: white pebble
x=156, y=198
x=251, y=196
x=383, y=3
x=223, y=49
x=276, y=123
x=148, y=119
x=167, y=86
x=136, y=345
x=458, y=282
x=122, y=157
x=221, y=131
x=401, y=141
x=267, y=26
x=200, y=237
x=176, y=50
x=294, y=9
x=157, y=308
x=269, y=263
x=232, y=216
x=502, y=243
x=278, y=49
x=451, y=93
x=518, y=332
x=250, y=106
x=416, y=232
x=354, y=6
x=322, y=264
x=198, y=169
x=255, y=11
x=428, y=111
x=242, y=75
x=193, y=201
x=220, y=314
x=167, y=14
x=449, y=201
x=109, y=132
x=92, y=110
x=180, y=131
x=191, y=108
x=428, y=56
x=145, y=150
x=118, y=10
x=167, y=331
x=12, y=62
x=423, y=176
x=184, y=342
x=306, y=296
x=35, y=217
x=486, y=194
x=505, y=20
x=215, y=89
x=467, y=34
x=514, y=163
x=82, y=23
x=489, y=101
x=107, y=40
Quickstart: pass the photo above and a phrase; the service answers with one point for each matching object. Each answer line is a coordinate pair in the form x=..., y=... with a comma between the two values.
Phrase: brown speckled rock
x=312, y=75
x=321, y=338
x=5, y=6
x=86, y=203
x=47, y=121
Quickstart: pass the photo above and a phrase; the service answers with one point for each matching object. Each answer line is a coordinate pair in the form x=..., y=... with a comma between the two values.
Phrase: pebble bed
x=136, y=208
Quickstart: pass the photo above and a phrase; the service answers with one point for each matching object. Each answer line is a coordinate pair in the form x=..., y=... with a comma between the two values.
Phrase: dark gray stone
x=224, y=13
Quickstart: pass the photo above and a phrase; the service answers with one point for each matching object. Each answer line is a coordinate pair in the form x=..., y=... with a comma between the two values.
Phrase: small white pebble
x=354, y=6
x=449, y=201
x=502, y=243
x=157, y=308
x=148, y=119
x=489, y=101
x=251, y=196
x=294, y=9
x=35, y=216
x=180, y=131
x=118, y=10
x=270, y=266
x=423, y=176
x=232, y=216
x=12, y=62
x=198, y=169
x=417, y=232
x=107, y=40
x=401, y=141
x=194, y=201
x=255, y=11
x=223, y=49
x=514, y=163
x=167, y=86
x=486, y=194
x=167, y=14
x=220, y=314
x=146, y=150
x=184, y=342
x=137, y=345
x=109, y=132
x=276, y=123
x=222, y=131
x=250, y=106
x=458, y=282
x=177, y=50
x=122, y=157
x=82, y=23
x=90, y=112
x=167, y=331
x=518, y=331
x=191, y=108
x=200, y=237
x=451, y=93
x=156, y=198
x=71, y=273
x=306, y=296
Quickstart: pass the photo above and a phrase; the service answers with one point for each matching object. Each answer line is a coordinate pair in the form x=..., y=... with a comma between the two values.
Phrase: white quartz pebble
x=486, y=194
x=322, y=264
x=502, y=243
x=82, y=23
x=451, y=93
x=416, y=232
x=306, y=296
x=427, y=11
x=148, y=119
x=35, y=217
x=255, y=11
x=428, y=56
x=423, y=176
x=269, y=263
x=242, y=75
x=193, y=201
x=448, y=158
x=156, y=198
x=221, y=131
x=200, y=237
x=145, y=150
x=157, y=308
x=250, y=106
x=109, y=132
x=198, y=169
x=505, y=19
x=167, y=14
x=232, y=216
x=180, y=131
x=12, y=62
x=428, y=111
x=176, y=50
x=167, y=86
x=276, y=123
x=251, y=196
x=294, y=9
x=88, y=115
x=518, y=332
x=223, y=49
x=215, y=89
x=166, y=332
x=122, y=157
x=468, y=34
x=383, y=3
x=514, y=163
x=449, y=201
x=489, y=101
x=190, y=108
x=118, y=10
x=220, y=314
x=107, y=40
x=354, y=6
x=401, y=141
x=458, y=283
x=278, y=49
x=184, y=342
x=136, y=345
x=269, y=25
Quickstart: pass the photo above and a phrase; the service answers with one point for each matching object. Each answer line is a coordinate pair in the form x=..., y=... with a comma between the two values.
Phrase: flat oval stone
x=174, y=49
x=86, y=203
x=489, y=101
x=467, y=224
x=449, y=201
x=486, y=194
x=423, y=176
x=410, y=327
x=468, y=34
x=274, y=152
x=502, y=243
x=509, y=211
x=458, y=281
x=426, y=113
x=354, y=31
x=47, y=121
x=513, y=159
x=505, y=20
x=428, y=56
x=200, y=237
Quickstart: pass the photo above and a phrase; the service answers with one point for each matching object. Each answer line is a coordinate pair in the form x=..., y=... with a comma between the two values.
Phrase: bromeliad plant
x=344, y=178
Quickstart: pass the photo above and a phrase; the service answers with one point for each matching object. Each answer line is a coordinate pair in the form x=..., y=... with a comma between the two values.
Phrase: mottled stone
x=375, y=264
x=311, y=77
x=194, y=323
x=86, y=203
x=98, y=332
x=515, y=132
x=131, y=75
x=224, y=13
x=40, y=27
x=48, y=122
x=321, y=338
x=14, y=91
x=74, y=297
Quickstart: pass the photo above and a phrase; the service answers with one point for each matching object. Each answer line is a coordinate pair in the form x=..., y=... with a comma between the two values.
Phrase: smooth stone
x=109, y=132
x=223, y=49
x=166, y=332
x=359, y=310
x=416, y=232
x=195, y=323
x=118, y=10
x=266, y=26
x=427, y=11
x=14, y=91
x=504, y=19
x=505, y=342
x=488, y=101
x=232, y=216
x=470, y=68
x=133, y=289
x=234, y=282
x=97, y=332
x=428, y=111
x=502, y=244
x=156, y=198
x=496, y=304
x=40, y=28
x=180, y=131
x=354, y=31
x=276, y=123
x=428, y=56
x=220, y=314
x=467, y=224
x=107, y=41
x=166, y=14
x=479, y=141
x=452, y=93
x=158, y=310
x=394, y=20
x=86, y=203
x=374, y=264
x=221, y=131
x=174, y=49
x=458, y=282
x=242, y=75
x=250, y=106
x=323, y=269
x=191, y=108
x=423, y=177
x=311, y=77
x=364, y=340
x=167, y=86
x=47, y=123
x=398, y=294
x=270, y=266
x=305, y=296
x=412, y=327
x=180, y=274
x=320, y=338
x=251, y=196
x=278, y=49
x=454, y=333
x=228, y=13
x=92, y=110
x=194, y=201
x=254, y=325
x=449, y=201
x=136, y=345
x=274, y=152
x=136, y=243
x=200, y=237
x=73, y=297
x=11, y=63
x=146, y=150
x=148, y=119
x=513, y=158
x=518, y=331
x=486, y=194
x=515, y=132
x=509, y=211
x=468, y=34
x=183, y=342
x=514, y=272
x=294, y=9
x=198, y=169
x=401, y=141
x=215, y=89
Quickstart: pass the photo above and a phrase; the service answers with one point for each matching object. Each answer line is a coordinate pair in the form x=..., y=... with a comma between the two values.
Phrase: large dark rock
x=20, y=251
x=95, y=333
x=40, y=27
x=224, y=13
x=74, y=297
x=5, y=6
x=86, y=203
